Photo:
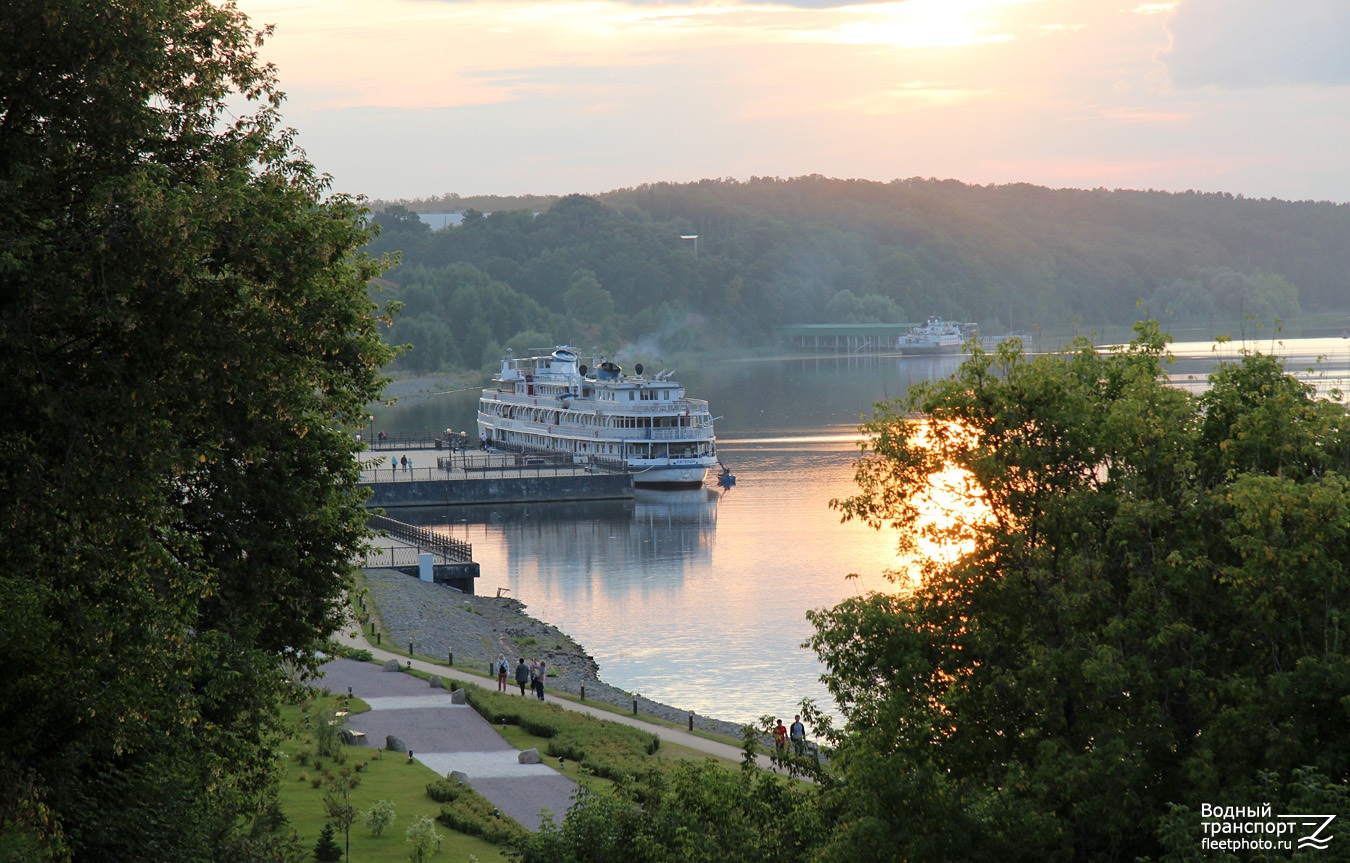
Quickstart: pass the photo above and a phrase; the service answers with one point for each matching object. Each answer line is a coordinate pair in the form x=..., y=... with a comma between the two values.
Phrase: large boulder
x=393, y=744
x=391, y=665
x=437, y=683
x=457, y=697
x=529, y=756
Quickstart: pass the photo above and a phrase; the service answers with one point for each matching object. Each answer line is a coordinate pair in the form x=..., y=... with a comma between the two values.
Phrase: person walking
x=502, y=667
x=798, y=735
x=780, y=737
x=522, y=674
x=539, y=681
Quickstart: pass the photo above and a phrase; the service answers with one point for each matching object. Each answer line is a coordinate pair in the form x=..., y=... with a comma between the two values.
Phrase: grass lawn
x=384, y=776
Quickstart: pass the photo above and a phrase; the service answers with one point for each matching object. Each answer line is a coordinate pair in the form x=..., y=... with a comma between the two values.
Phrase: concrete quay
x=467, y=477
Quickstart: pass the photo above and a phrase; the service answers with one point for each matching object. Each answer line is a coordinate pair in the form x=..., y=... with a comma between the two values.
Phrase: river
x=698, y=599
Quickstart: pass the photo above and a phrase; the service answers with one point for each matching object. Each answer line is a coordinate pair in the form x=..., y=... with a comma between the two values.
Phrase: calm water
x=698, y=599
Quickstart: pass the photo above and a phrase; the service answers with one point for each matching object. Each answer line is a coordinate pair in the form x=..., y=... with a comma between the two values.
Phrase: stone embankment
x=439, y=621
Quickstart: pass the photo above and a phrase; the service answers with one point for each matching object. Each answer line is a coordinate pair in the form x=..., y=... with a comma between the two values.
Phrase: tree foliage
x=189, y=340
x=689, y=812
x=812, y=249
x=1150, y=620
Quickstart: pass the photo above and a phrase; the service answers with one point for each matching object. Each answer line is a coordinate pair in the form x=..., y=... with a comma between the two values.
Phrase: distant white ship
x=554, y=404
x=937, y=336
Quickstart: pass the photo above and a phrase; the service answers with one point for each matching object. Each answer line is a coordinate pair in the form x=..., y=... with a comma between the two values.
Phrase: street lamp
x=693, y=237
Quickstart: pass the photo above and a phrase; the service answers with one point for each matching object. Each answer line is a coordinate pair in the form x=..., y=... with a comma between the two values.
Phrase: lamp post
x=693, y=237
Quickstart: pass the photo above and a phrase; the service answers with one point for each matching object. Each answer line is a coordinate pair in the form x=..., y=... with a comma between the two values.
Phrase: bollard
x=635, y=707
x=583, y=693
x=691, y=722
x=372, y=627
x=377, y=635
x=452, y=657
x=410, y=650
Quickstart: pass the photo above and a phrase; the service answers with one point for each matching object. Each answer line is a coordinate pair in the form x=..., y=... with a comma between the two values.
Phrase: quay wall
x=522, y=489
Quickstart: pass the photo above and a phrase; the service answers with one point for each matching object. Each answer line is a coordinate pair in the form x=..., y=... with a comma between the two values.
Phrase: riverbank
x=476, y=629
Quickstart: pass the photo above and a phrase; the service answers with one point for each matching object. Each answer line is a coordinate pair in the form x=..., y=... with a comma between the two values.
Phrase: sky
x=403, y=99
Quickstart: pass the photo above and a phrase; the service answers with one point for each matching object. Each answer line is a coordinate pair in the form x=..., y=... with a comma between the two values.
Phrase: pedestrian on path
x=780, y=737
x=539, y=681
x=502, y=667
x=798, y=734
x=522, y=675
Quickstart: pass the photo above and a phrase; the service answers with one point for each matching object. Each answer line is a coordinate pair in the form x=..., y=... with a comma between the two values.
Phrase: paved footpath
x=450, y=737
x=355, y=638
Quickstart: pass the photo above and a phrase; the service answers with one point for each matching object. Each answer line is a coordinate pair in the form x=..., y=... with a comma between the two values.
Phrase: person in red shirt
x=780, y=736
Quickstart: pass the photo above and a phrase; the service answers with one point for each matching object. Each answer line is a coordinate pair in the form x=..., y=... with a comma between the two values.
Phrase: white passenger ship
x=555, y=404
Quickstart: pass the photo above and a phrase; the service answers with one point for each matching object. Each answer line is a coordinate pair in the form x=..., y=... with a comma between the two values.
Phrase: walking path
x=450, y=737
x=355, y=638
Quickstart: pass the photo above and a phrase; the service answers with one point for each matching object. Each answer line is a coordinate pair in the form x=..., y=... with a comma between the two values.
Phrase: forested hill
x=614, y=268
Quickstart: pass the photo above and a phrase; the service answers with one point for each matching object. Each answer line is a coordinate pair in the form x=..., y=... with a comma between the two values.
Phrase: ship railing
x=695, y=406
x=592, y=433
x=674, y=433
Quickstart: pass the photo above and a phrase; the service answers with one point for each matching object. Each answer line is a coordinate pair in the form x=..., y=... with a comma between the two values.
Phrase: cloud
x=1248, y=44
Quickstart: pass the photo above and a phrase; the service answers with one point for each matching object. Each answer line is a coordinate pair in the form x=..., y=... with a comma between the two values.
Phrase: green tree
x=379, y=816
x=326, y=849
x=337, y=801
x=1149, y=619
x=423, y=840
x=189, y=343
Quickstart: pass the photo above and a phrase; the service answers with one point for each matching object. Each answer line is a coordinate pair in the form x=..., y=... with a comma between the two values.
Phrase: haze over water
x=698, y=599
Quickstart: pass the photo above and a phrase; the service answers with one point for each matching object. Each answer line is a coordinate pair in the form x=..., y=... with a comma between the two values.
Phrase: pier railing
x=423, y=539
x=478, y=465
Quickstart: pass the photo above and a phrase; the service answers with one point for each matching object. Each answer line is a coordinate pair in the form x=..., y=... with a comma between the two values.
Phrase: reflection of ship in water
x=653, y=540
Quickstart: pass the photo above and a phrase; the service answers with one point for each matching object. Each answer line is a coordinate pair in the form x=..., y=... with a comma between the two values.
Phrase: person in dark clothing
x=522, y=674
x=539, y=681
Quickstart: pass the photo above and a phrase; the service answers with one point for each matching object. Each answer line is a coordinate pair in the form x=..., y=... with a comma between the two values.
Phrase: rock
x=393, y=744
x=462, y=778
x=391, y=665
x=436, y=683
x=457, y=697
x=529, y=756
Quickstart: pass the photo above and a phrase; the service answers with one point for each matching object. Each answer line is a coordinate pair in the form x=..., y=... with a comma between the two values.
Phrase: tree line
x=1141, y=657
x=617, y=267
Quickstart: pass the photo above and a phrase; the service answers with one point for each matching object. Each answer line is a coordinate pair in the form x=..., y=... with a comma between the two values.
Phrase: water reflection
x=699, y=599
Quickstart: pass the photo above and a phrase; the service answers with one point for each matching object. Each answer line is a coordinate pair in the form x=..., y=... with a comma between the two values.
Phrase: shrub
x=422, y=836
x=346, y=651
x=467, y=811
x=608, y=749
x=379, y=816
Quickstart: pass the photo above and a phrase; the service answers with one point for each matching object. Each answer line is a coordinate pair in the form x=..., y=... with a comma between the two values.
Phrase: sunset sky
x=412, y=98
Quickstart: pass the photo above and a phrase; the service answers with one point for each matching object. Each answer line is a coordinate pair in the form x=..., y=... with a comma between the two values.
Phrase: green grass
x=384, y=776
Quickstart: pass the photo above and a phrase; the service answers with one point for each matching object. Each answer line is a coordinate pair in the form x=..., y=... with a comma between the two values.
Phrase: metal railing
x=391, y=557
x=423, y=539
x=456, y=467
